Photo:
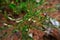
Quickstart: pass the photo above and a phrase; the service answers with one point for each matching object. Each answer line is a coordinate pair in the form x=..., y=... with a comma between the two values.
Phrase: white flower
x=12, y=2
x=30, y=34
x=34, y=21
x=26, y=29
x=54, y=22
x=29, y=19
x=37, y=1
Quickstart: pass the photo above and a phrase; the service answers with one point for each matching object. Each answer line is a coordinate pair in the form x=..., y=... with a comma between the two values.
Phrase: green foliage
x=3, y=28
x=41, y=2
x=15, y=30
x=24, y=28
x=24, y=32
x=17, y=0
x=23, y=5
x=32, y=11
x=12, y=6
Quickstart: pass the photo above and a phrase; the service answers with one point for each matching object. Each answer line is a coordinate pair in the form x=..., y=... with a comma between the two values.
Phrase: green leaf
x=24, y=28
x=17, y=0
x=15, y=30
x=37, y=12
x=41, y=2
x=22, y=5
x=12, y=6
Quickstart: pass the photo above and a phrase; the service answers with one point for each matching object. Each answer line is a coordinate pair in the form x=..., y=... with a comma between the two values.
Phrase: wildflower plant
x=34, y=12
